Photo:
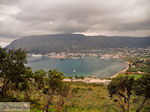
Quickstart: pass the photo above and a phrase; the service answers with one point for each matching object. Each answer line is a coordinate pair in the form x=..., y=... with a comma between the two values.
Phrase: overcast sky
x=91, y=17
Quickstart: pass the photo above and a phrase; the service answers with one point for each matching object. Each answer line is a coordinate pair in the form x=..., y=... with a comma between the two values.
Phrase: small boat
x=74, y=71
x=82, y=57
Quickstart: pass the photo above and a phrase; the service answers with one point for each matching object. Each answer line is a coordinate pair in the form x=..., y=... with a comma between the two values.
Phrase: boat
x=82, y=57
x=74, y=71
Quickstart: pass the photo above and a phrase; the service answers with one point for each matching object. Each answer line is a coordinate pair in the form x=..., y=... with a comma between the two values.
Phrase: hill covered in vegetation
x=66, y=42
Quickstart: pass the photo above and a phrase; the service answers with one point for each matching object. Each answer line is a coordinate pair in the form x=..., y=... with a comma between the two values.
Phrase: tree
x=39, y=77
x=63, y=95
x=122, y=88
x=26, y=83
x=53, y=85
x=142, y=88
x=11, y=68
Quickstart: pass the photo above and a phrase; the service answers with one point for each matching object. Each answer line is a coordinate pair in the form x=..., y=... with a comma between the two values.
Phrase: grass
x=141, y=69
x=136, y=76
x=145, y=69
x=132, y=69
x=85, y=98
x=89, y=98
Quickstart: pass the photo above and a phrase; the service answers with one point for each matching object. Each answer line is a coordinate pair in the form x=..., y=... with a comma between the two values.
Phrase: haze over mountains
x=64, y=42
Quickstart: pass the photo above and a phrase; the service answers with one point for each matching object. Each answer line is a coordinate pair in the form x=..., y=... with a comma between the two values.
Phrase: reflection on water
x=82, y=67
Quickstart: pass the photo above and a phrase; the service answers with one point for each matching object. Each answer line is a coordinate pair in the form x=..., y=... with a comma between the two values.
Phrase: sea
x=88, y=66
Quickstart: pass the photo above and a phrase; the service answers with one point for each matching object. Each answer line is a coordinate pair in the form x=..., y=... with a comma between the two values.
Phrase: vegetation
x=44, y=44
x=11, y=69
x=47, y=92
x=125, y=90
x=16, y=78
x=141, y=65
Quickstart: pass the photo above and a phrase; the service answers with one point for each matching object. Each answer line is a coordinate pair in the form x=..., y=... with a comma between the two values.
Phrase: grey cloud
x=71, y=16
x=8, y=2
x=132, y=26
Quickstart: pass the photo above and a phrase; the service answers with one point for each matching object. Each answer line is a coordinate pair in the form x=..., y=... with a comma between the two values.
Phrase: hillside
x=63, y=42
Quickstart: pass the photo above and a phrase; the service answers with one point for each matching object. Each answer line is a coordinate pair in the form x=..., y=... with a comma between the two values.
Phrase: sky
x=19, y=18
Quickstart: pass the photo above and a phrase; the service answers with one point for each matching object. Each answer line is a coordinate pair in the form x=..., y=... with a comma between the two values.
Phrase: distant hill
x=63, y=42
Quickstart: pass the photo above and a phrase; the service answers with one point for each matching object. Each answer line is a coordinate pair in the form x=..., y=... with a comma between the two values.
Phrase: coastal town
x=100, y=53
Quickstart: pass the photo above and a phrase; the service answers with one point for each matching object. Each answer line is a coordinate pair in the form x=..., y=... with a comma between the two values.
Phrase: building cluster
x=100, y=53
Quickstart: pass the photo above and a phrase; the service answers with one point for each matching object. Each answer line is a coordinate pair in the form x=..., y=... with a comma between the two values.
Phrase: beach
x=89, y=80
x=122, y=71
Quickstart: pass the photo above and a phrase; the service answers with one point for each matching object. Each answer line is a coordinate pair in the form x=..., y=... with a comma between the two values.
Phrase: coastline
x=89, y=80
x=98, y=80
x=122, y=71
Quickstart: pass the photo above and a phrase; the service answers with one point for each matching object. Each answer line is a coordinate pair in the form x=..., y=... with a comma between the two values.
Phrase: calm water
x=82, y=67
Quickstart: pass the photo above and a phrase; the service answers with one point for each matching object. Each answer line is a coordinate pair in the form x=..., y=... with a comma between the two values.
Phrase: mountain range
x=65, y=42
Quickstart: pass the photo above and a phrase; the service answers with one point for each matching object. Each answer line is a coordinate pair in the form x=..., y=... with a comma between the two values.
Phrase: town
x=100, y=53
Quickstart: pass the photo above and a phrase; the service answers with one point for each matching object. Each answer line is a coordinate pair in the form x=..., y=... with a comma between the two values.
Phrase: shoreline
x=93, y=79
x=89, y=80
x=122, y=71
x=97, y=80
